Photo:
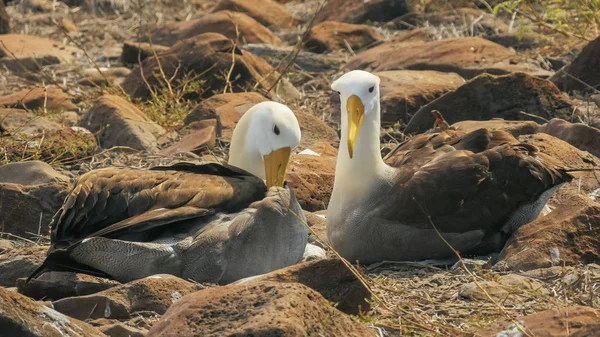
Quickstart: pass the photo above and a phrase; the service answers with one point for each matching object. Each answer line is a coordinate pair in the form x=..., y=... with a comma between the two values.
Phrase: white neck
x=241, y=153
x=354, y=177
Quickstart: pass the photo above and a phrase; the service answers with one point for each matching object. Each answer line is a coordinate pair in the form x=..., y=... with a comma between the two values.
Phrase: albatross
x=474, y=189
x=208, y=223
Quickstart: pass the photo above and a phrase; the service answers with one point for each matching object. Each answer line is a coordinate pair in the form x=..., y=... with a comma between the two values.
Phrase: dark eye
x=276, y=130
x=371, y=89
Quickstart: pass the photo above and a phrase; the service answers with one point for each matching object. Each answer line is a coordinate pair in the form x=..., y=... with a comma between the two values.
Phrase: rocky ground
x=86, y=84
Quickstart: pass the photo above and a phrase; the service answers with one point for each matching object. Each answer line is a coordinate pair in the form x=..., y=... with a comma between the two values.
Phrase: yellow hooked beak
x=356, y=114
x=275, y=165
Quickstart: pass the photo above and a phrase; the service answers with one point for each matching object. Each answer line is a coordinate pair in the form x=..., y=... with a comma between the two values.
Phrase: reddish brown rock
x=569, y=231
x=269, y=13
x=31, y=52
x=67, y=25
x=154, y=293
x=331, y=36
x=403, y=92
x=360, y=11
x=487, y=24
x=209, y=54
x=20, y=262
x=122, y=330
x=199, y=136
x=314, y=129
x=587, y=331
x=466, y=56
x=104, y=76
x=571, y=158
x=22, y=122
x=318, y=223
x=27, y=209
x=583, y=71
x=329, y=277
x=311, y=175
x=120, y=123
x=20, y=316
x=53, y=99
x=257, y=309
x=227, y=109
x=223, y=22
x=515, y=96
x=549, y=323
x=53, y=285
x=32, y=172
x=515, y=128
x=134, y=52
x=581, y=136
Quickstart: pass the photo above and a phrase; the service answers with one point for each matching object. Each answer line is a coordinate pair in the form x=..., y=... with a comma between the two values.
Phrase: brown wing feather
x=104, y=197
x=467, y=182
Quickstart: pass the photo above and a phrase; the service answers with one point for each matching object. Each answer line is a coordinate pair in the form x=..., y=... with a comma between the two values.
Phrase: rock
x=566, y=236
x=222, y=22
x=466, y=56
x=582, y=69
x=269, y=13
x=403, y=92
x=201, y=135
x=548, y=323
x=514, y=283
x=4, y=20
x=154, y=293
x=257, y=309
x=21, y=122
x=314, y=130
x=307, y=61
x=318, y=223
x=134, y=52
x=18, y=263
x=312, y=253
x=515, y=128
x=227, y=109
x=27, y=209
x=121, y=330
x=36, y=6
x=329, y=277
x=311, y=174
x=360, y=11
x=330, y=36
x=587, y=331
x=104, y=76
x=30, y=173
x=67, y=25
x=34, y=99
x=209, y=54
x=23, y=53
x=119, y=123
x=488, y=96
x=519, y=41
x=53, y=285
x=6, y=245
x=487, y=24
x=571, y=158
x=473, y=291
x=20, y=316
x=581, y=136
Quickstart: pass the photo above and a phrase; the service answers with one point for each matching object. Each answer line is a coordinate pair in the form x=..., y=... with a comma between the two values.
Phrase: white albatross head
x=263, y=139
x=359, y=96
